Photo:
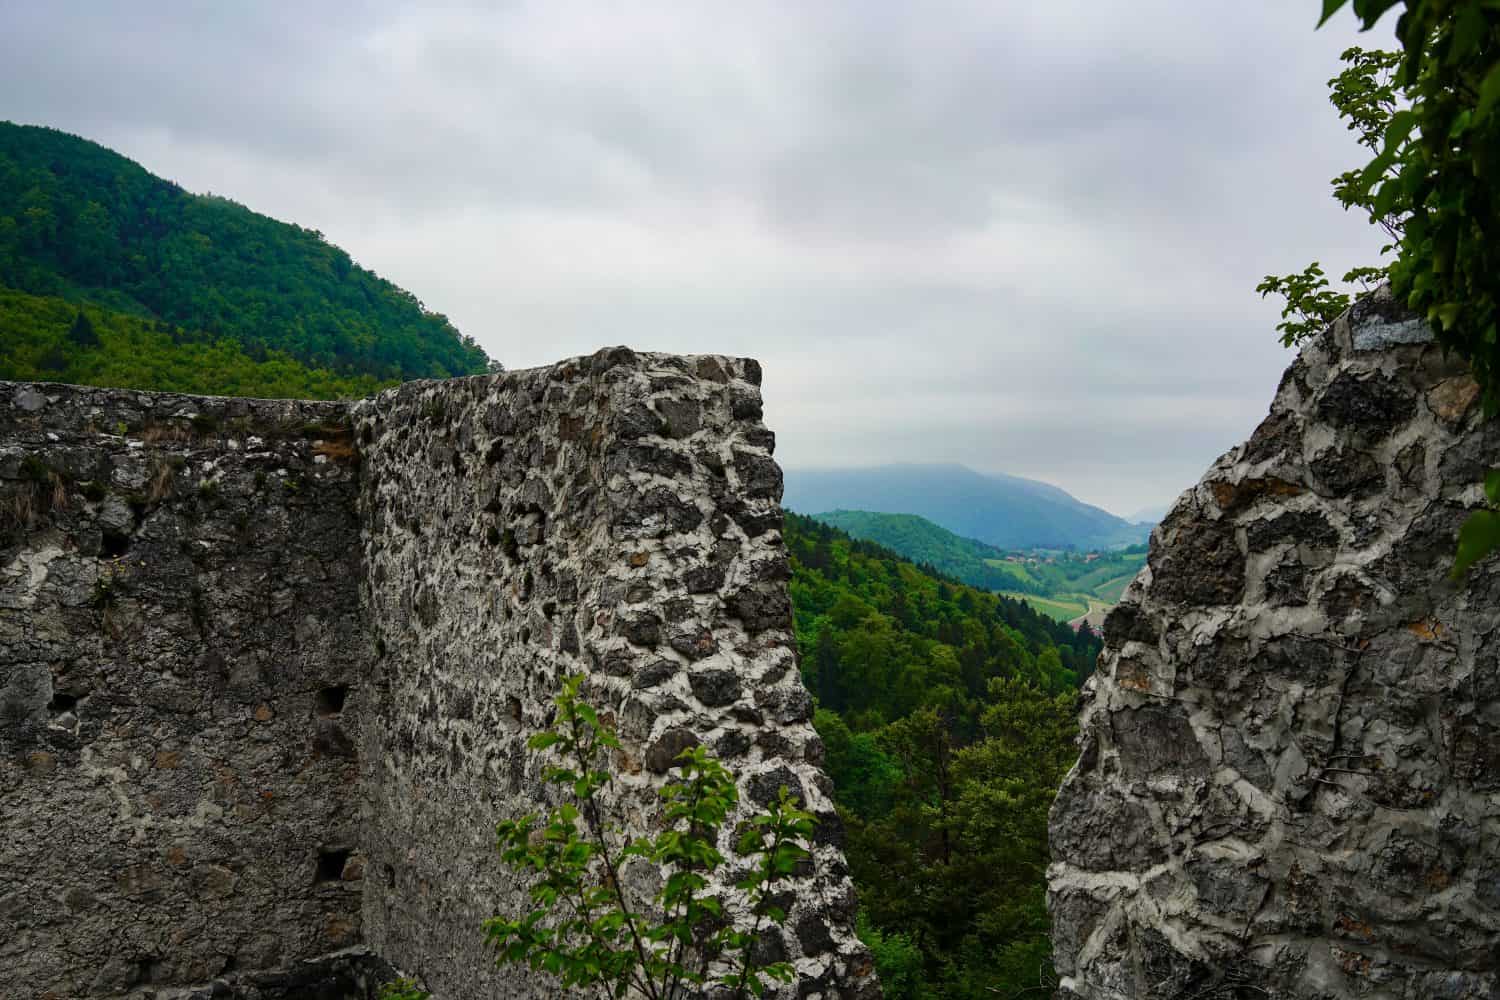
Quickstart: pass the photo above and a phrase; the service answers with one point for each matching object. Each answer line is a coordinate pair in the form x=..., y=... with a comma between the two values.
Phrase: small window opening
x=115, y=544
x=61, y=703
x=331, y=864
x=331, y=700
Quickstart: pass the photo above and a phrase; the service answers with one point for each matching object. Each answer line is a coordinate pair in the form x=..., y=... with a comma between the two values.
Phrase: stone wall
x=1290, y=773
x=180, y=651
x=267, y=669
x=616, y=516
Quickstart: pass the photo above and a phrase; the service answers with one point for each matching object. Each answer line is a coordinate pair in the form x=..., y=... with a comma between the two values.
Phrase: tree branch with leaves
x=1430, y=116
x=584, y=927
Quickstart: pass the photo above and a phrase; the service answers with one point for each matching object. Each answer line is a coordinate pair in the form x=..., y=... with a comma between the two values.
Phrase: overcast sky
x=1019, y=235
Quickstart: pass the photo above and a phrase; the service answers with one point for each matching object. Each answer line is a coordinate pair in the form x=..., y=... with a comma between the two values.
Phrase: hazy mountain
x=1004, y=511
x=1149, y=515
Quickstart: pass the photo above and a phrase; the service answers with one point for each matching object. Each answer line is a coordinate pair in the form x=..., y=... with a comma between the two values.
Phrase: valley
x=1063, y=584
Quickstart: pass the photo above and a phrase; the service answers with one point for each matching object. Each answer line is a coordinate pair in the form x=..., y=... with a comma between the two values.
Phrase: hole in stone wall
x=148, y=970
x=513, y=705
x=331, y=700
x=115, y=544
x=390, y=876
x=61, y=703
x=331, y=863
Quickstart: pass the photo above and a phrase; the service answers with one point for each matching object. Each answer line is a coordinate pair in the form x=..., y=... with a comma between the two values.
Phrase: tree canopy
x=947, y=713
x=82, y=223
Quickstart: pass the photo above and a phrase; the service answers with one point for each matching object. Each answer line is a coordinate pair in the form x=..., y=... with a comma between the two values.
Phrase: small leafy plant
x=402, y=989
x=1480, y=533
x=585, y=928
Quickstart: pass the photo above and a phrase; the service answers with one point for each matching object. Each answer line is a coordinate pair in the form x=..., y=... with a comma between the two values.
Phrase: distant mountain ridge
x=1008, y=512
x=82, y=224
x=1149, y=515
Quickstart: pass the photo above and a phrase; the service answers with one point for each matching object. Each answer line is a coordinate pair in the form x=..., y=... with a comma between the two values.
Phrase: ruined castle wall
x=616, y=516
x=180, y=657
x=1290, y=775
x=267, y=669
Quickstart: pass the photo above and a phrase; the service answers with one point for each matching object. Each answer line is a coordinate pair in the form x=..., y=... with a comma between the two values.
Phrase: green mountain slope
x=927, y=544
x=82, y=223
x=948, y=718
x=1061, y=584
x=47, y=339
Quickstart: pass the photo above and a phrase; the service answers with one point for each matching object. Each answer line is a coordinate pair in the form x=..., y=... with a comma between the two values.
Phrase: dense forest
x=948, y=717
x=928, y=544
x=81, y=223
x=48, y=339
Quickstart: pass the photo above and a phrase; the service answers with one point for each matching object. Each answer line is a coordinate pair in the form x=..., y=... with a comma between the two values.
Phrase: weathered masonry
x=267, y=668
x=1290, y=779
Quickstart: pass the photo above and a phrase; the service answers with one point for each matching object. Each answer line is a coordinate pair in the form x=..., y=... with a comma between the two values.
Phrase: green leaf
x=1492, y=486
x=1398, y=129
x=1330, y=8
x=1369, y=11
x=1489, y=93
x=1479, y=536
x=1469, y=28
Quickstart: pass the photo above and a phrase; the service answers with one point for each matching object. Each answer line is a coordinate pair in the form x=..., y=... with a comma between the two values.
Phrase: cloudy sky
x=1019, y=235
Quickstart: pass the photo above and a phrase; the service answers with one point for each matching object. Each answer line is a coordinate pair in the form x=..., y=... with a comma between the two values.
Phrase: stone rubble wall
x=616, y=516
x=267, y=669
x=178, y=609
x=1290, y=775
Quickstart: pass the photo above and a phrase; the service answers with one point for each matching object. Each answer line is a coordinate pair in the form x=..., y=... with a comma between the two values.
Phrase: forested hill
x=881, y=636
x=948, y=718
x=918, y=539
x=83, y=224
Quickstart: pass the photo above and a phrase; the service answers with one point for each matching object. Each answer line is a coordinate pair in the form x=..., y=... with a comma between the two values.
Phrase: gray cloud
x=1020, y=236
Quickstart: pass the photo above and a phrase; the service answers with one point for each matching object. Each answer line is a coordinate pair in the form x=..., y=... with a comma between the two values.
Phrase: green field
x=1017, y=569
x=1063, y=607
x=1111, y=590
x=1062, y=584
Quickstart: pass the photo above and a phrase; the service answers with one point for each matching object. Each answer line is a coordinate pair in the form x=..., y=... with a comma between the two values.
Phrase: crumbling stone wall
x=180, y=657
x=616, y=516
x=267, y=668
x=1290, y=773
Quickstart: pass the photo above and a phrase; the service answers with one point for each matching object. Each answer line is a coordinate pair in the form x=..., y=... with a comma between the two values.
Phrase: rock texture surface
x=267, y=668
x=1290, y=775
x=616, y=516
x=178, y=593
